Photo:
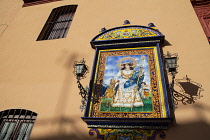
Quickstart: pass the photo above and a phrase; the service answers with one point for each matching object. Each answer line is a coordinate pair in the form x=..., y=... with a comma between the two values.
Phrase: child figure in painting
x=129, y=80
x=144, y=90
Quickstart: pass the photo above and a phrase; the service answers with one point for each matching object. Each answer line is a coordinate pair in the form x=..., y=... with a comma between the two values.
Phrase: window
x=36, y=2
x=202, y=9
x=16, y=124
x=58, y=23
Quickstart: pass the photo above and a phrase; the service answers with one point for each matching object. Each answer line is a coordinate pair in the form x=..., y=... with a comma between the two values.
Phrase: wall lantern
x=171, y=66
x=171, y=62
x=80, y=70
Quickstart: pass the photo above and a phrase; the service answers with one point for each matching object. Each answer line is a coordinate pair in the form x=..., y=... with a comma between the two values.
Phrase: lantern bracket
x=80, y=71
x=171, y=66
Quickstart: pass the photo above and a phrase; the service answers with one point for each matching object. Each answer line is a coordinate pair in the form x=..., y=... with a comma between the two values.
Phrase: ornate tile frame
x=158, y=89
x=162, y=114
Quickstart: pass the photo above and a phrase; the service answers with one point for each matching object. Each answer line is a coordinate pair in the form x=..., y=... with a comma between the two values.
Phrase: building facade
x=36, y=72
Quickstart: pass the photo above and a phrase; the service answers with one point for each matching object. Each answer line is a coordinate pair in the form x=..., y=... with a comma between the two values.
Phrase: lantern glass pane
x=79, y=69
x=84, y=69
x=172, y=65
x=173, y=60
x=168, y=61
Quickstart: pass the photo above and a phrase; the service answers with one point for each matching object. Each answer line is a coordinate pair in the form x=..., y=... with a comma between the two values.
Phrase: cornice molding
x=201, y=3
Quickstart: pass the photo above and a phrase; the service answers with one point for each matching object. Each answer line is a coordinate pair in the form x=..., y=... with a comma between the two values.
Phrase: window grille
x=58, y=23
x=16, y=124
x=36, y=2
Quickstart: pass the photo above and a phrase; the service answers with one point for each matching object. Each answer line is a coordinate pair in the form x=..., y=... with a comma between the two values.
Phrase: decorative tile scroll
x=124, y=33
x=126, y=134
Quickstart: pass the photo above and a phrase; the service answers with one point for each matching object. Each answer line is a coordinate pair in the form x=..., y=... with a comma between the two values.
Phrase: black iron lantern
x=80, y=69
x=171, y=63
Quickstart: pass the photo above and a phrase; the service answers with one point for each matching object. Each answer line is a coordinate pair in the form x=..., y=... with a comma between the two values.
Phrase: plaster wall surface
x=38, y=75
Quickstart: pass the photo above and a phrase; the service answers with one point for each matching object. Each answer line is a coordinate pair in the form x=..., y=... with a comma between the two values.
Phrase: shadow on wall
x=198, y=130
x=189, y=93
x=67, y=137
x=63, y=124
x=166, y=43
x=192, y=131
x=67, y=62
x=189, y=131
x=76, y=134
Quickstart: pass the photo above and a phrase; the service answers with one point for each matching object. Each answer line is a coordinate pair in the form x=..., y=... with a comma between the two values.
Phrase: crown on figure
x=127, y=60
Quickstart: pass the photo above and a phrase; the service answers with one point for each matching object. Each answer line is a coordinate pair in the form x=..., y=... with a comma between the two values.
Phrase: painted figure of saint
x=128, y=83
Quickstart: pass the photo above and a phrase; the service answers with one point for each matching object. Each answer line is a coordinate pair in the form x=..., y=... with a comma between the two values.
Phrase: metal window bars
x=16, y=124
x=58, y=23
